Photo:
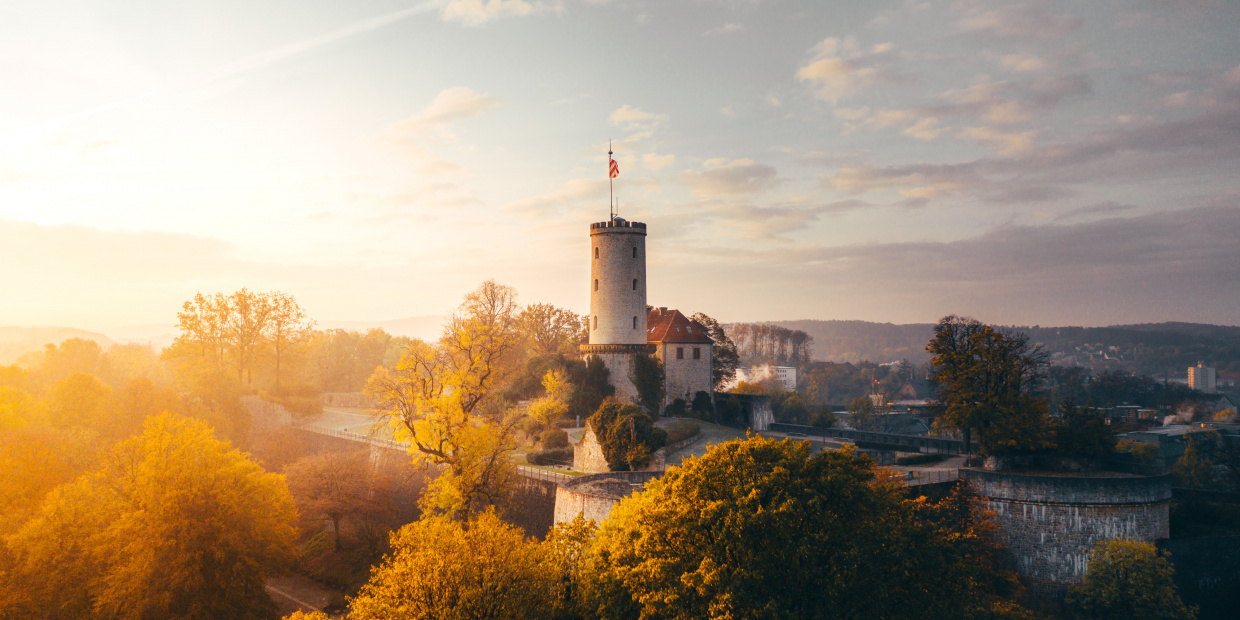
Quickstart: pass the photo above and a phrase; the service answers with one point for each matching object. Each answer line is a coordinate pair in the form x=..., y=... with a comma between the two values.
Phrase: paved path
x=297, y=593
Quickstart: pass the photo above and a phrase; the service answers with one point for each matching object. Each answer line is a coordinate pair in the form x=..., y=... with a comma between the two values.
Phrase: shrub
x=823, y=418
x=554, y=438
x=676, y=408
x=683, y=430
x=622, y=430
x=919, y=459
x=702, y=406
x=558, y=456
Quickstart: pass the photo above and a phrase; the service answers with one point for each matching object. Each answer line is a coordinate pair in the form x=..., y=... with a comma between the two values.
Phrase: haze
x=1029, y=162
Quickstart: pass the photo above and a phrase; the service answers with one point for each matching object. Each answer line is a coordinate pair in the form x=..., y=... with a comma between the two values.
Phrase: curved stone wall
x=594, y=495
x=1051, y=522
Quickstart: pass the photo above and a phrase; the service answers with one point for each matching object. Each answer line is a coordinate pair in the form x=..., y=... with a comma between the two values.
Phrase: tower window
x=596, y=284
x=680, y=353
x=635, y=284
x=596, y=321
x=634, y=322
x=634, y=252
x=697, y=353
x=596, y=252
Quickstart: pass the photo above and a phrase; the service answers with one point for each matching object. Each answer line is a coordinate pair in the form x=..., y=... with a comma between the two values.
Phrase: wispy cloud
x=840, y=68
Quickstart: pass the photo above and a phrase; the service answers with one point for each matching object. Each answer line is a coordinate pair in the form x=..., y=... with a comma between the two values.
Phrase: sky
x=1029, y=162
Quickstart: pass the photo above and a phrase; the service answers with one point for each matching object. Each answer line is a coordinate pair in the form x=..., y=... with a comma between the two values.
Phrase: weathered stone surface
x=1051, y=522
x=594, y=496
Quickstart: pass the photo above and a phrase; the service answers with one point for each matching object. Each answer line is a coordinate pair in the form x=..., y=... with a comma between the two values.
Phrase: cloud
x=449, y=105
x=727, y=28
x=1008, y=143
x=652, y=161
x=925, y=129
x=1018, y=22
x=840, y=69
x=1109, y=207
x=477, y=12
x=630, y=118
x=1175, y=265
x=720, y=177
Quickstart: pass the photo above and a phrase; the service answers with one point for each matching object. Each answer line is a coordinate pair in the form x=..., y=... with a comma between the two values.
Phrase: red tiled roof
x=663, y=325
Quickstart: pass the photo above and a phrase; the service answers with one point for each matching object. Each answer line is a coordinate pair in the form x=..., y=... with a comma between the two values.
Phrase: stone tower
x=618, y=299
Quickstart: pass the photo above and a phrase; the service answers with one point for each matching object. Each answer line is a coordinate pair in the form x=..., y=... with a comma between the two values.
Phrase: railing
x=392, y=444
x=916, y=442
x=915, y=477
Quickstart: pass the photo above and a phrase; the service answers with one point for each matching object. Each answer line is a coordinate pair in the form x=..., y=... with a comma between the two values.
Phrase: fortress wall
x=577, y=498
x=1052, y=522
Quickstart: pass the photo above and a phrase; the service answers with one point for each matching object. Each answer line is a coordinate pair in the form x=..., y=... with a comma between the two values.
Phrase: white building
x=786, y=376
x=1202, y=378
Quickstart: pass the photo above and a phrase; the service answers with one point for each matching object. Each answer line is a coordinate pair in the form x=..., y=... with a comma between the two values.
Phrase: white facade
x=786, y=376
x=1202, y=378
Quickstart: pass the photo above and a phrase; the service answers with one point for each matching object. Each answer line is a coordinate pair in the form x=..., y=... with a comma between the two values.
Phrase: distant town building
x=1202, y=378
x=786, y=376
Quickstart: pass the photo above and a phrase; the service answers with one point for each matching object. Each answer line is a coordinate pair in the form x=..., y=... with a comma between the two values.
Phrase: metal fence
x=391, y=444
x=914, y=477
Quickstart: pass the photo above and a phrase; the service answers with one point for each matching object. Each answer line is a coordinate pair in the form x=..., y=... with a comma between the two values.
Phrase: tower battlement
x=616, y=223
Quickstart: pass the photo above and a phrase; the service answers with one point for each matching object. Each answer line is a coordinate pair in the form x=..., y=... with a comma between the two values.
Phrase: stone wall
x=594, y=496
x=588, y=456
x=685, y=377
x=1207, y=573
x=1051, y=522
x=617, y=260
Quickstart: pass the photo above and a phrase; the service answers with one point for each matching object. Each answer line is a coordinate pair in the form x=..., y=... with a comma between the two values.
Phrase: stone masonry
x=1051, y=522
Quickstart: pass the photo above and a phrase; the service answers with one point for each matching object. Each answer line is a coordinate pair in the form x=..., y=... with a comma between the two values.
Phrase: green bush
x=554, y=438
x=920, y=459
x=628, y=436
x=676, y=409
x=702, y=406
x=683, y=430
x=558, y=456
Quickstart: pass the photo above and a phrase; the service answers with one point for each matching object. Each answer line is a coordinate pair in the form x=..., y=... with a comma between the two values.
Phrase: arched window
x=595, y=252
x=596, y=285
x=634, y=322
x=635, y=284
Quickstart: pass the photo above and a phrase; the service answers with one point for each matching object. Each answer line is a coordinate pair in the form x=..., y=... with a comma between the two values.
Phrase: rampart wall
x=1051, y=522
x=593, y=496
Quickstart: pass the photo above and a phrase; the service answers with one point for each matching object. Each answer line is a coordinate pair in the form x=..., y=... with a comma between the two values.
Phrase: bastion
x=594, y=495
x=1051, y=521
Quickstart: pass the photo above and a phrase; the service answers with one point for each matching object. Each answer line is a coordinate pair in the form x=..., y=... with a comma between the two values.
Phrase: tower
x=618, y=299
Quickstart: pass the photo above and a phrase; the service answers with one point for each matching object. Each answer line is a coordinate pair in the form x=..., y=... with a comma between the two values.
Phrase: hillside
x=18, y=341
x=1149, y=349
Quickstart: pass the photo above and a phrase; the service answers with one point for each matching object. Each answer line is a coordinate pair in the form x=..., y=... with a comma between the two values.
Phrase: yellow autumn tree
x=173, y=524
x=440, y=399
x=443, y=569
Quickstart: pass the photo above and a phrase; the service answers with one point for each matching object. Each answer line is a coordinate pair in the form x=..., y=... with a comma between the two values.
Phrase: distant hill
x=1149, y=349
x=18, y=341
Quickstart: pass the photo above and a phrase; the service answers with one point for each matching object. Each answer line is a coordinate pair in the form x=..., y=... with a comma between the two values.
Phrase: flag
x=615, y=169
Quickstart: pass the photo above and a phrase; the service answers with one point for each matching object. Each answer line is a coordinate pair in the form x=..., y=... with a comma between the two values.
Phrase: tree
x=724, y=356
x=627, y=435
x=725, y=536
x=986, y=380
x=287, y=327
x=649, y=381
x=440, y=399
x=1128, y=580
x=549, y=329
x=332, y=484
x=1082, y=431
x=861, y=413
x=442, y=569
x=173, y=524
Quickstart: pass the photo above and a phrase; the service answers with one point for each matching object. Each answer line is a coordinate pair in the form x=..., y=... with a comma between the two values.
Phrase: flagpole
x=611, y=194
